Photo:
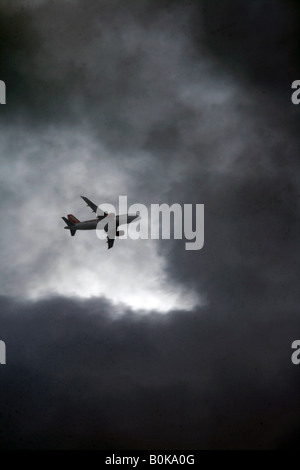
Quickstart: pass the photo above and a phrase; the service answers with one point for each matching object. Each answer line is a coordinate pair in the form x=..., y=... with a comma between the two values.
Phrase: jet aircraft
x=111, y=227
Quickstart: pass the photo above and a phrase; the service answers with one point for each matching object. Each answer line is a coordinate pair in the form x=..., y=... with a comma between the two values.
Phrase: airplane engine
x=119, y=233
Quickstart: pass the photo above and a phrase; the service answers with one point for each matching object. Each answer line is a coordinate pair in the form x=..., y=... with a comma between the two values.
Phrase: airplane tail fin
x=70, y=224
x=73, y=219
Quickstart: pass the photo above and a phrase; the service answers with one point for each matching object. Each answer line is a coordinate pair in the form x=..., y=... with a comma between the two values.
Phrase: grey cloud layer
x=75, y=378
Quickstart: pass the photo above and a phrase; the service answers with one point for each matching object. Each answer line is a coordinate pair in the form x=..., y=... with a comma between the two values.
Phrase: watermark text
x=2, y=352
x=159, y=221
x=2, y=92
x=296, y=94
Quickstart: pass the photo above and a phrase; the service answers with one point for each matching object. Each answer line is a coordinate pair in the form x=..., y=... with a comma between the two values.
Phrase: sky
x=148, y=345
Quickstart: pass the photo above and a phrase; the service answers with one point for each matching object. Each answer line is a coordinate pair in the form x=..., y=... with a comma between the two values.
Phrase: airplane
x=73, y=224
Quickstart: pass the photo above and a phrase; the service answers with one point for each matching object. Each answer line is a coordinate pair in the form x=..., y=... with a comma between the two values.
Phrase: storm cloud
x=149, y=345
x=75, y=377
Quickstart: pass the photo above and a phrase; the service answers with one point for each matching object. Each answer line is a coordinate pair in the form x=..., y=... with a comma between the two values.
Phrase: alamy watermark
x=2, y=352
x=2, y=92
x=296, y=354
x=296, y=94
x=160, y=221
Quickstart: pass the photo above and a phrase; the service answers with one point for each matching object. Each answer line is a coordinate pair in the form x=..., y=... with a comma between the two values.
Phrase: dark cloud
x=98, y=65
x=255, y=40
x=76, y=378
x=119, y=72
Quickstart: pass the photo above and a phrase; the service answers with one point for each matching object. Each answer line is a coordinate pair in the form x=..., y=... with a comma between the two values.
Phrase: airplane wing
x=111, y=233
x=93, y=206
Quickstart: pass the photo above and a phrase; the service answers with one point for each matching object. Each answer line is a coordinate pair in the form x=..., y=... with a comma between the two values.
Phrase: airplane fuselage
x=92, y=224
x=109, y=222
x=85, y=225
